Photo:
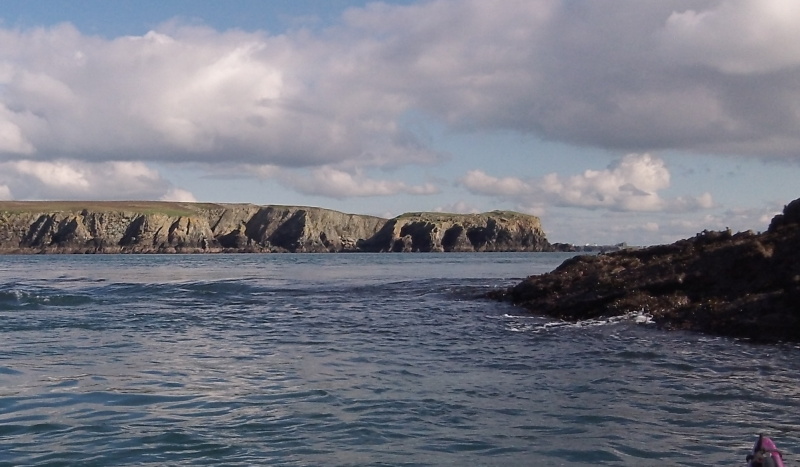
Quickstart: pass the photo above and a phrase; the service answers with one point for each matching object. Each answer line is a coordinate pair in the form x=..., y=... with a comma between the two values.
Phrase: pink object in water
x=765, y=454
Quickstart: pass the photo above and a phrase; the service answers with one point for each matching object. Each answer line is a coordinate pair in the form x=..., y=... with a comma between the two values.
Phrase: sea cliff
x=168, y=227
x=741, y=285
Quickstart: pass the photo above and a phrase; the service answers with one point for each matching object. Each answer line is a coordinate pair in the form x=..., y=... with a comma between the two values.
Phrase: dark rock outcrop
x=161, y=227
x=742, y=285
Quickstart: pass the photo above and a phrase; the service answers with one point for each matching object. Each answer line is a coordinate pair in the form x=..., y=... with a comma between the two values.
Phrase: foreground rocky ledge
x=165, y=227
x=742, y=285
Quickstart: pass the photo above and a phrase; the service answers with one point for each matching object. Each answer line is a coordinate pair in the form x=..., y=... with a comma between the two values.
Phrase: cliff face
x=156, y=227
x=492, y=231
x=744, y=285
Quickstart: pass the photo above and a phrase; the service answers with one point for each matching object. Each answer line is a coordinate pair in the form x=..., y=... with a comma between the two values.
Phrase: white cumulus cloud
x=180, y=195
x=192, y=94
x=737, y=36
x=621, y=75
x=11, y=139
x=710, y=77
x=459, y=207
x=631, y=183
x=68, y=179
x=335, y=183
x=58, y=175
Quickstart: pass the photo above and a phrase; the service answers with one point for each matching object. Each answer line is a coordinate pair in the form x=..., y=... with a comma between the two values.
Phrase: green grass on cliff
x=144, y=207
x=449, y=215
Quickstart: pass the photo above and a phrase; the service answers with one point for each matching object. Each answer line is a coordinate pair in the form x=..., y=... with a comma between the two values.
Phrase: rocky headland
x=739, y=285
x=170, y=227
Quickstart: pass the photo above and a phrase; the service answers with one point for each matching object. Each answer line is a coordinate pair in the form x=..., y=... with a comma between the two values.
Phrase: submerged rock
x=742, y=285
x=163, y=227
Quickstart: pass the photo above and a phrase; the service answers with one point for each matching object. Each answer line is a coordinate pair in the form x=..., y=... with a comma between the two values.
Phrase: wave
x=17, y=299
x=519, y=323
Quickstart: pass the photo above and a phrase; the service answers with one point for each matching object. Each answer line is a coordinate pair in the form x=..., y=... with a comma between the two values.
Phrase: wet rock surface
x=740, y=285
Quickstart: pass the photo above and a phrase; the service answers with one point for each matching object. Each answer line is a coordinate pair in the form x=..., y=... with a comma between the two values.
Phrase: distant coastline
x=36, y=227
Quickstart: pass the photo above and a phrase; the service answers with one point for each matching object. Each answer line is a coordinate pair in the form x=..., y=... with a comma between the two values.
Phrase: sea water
x=359, y=359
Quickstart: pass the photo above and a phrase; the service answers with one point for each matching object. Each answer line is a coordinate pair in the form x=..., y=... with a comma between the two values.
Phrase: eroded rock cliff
x=162, y=227
x=491, y=231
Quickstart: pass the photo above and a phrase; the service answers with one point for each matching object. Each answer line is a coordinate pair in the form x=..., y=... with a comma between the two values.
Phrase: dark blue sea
x=359, y=359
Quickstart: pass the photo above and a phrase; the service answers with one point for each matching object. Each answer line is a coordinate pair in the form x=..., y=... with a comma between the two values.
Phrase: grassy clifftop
x=144, y=207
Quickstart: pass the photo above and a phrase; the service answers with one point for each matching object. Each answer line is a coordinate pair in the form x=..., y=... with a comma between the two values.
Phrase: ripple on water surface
x=353, y=360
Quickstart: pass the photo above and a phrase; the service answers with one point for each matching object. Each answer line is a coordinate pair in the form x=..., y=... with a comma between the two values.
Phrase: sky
x=612, y=120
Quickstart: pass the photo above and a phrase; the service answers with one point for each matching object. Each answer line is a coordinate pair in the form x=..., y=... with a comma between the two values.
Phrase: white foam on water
x=638, y=317
x=520, y=317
